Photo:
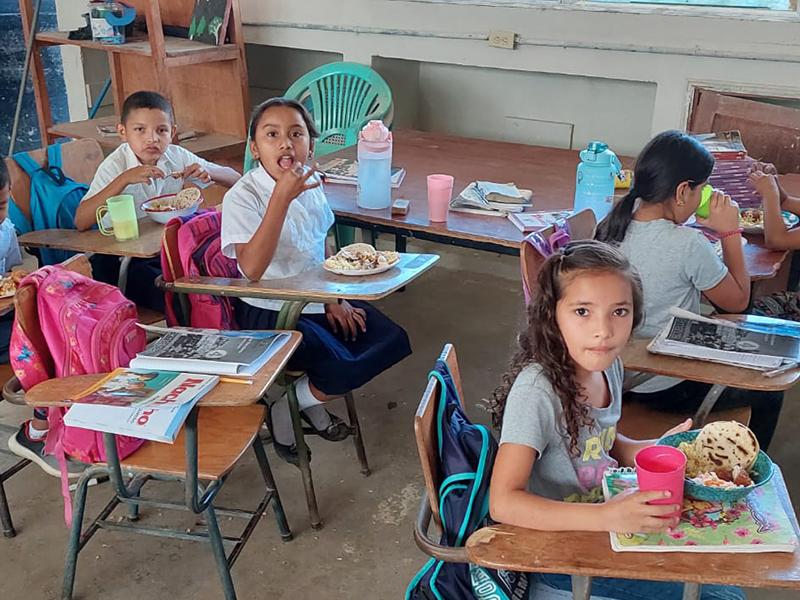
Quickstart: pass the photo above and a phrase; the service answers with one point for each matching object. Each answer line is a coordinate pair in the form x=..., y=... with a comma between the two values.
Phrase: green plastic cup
x=705, y=202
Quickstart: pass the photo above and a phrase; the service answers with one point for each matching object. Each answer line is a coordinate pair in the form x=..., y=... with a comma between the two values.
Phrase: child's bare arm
x=625, y=448
x=212, y=173
x=787, y=202
x=511, y=503
x=733, y=292
x=224, y=175
x=776, y=234
x=85, y=213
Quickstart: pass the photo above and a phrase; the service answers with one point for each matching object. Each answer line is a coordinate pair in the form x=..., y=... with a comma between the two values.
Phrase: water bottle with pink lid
x=375, y=166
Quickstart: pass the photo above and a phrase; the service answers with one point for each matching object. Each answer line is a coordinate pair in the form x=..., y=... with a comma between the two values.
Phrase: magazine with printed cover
x=126, y=387
x=763, y=521
x=692, y=336
x=345, y=170
x=209, y=350
x=158, y=417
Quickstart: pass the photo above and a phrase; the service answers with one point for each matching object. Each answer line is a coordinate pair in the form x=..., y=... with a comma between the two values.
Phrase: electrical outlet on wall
x=502, y=39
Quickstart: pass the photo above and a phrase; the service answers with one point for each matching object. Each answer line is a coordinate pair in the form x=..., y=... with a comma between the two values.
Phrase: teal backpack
x=54, y=200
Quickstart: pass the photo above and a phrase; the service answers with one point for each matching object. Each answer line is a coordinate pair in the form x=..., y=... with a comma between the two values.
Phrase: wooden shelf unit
x=209, y=145
x=207, y=85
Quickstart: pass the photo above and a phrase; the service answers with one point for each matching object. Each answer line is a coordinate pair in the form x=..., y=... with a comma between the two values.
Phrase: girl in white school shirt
x=275, y=222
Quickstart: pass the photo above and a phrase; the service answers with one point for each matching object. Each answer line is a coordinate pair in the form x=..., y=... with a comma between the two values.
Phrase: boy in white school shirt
x=145, y=165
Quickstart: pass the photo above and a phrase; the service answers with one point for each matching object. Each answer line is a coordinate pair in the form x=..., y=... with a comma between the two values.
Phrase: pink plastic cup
x=662, y=468
x=440, y=191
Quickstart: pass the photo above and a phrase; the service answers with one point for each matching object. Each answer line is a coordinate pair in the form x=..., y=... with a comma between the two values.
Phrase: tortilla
x=727, y=444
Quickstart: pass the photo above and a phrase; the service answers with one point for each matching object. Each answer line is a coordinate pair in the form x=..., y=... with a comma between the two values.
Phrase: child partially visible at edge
x=777, y=235
x=275, y=222
x=28, y=442
x=10, y=254
x=559, y=406
x=147, y=164
x=678, y=265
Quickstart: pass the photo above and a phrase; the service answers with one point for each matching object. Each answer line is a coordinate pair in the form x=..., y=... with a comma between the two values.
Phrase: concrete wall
x=620, y=74
x=580, y=71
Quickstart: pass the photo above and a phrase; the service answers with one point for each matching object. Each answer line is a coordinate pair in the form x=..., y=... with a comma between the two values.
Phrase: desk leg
x=707, y=405
x=581, y=587
x=122, y=282
x=287, y=319
x=691, y=591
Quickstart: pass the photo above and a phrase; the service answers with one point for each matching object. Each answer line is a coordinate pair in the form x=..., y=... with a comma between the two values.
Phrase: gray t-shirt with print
x=533, y=417
x=676, y=264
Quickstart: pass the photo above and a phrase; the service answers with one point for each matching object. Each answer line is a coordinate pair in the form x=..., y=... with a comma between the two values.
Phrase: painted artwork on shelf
x=210, y=21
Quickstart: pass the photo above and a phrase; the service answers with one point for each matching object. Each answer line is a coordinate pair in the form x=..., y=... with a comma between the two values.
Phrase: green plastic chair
x=342, y=97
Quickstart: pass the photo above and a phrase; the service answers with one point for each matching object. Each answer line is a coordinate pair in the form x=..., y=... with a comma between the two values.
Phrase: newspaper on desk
x=693, y=336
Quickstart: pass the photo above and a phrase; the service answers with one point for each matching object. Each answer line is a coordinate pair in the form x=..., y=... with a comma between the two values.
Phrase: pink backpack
x=197, y=243
x=84, y=326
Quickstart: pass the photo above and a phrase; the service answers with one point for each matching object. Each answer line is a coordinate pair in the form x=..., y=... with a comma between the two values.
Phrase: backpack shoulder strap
x=26, y=163
x=54, y=155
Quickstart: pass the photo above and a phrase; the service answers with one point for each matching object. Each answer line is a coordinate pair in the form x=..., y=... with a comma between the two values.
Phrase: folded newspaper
x=495, y=199
x=211, y=351
x=692, y=336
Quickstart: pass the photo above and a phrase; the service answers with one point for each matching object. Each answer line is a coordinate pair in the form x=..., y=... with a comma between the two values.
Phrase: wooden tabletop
x=549, y=172
x=147, y=245
x=590, y=554
x=314, y=285
x=636, y=357
x=54, y=391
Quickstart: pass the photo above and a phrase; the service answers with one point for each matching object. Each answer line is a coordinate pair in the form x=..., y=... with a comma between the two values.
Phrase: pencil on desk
x=234, y=380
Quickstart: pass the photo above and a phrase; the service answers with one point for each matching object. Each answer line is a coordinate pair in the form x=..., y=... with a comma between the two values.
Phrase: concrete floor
x=470, y=299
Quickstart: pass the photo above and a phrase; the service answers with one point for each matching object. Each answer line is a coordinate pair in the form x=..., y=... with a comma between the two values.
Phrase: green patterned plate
x=761, y=473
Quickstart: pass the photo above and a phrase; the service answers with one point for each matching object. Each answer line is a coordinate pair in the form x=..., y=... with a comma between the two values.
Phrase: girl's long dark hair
x=666, y=161
x=541, y=341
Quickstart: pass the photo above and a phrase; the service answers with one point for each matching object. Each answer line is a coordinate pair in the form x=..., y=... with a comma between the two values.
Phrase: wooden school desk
x=314, y=285
x=637, y=358
x=198, y=454
x=588, y=554
x=147, y=245
x=549, y=172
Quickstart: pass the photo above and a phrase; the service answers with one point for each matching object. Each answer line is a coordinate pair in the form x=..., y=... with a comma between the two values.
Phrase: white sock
x=313, y=408
x=36, y=434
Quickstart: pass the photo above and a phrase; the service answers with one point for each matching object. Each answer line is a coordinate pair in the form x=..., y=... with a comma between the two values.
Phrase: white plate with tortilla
x=358, y=260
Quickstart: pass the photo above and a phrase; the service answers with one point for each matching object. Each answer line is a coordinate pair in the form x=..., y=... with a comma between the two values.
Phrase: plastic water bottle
x=374, y=166
x=594, y=186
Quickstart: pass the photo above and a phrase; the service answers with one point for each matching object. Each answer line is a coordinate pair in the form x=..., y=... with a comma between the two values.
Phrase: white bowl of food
x=162, y=209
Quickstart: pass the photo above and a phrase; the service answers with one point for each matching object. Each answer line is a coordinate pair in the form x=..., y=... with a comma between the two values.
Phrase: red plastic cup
x=440, y=192
x=662, y=468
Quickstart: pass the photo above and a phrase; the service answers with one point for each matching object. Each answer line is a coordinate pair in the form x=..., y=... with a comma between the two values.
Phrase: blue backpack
x=466, y=457
x=54, y=200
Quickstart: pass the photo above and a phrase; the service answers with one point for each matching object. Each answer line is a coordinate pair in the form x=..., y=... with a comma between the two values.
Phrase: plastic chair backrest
x=581, y=227
x=425, y=431
x=342, y=97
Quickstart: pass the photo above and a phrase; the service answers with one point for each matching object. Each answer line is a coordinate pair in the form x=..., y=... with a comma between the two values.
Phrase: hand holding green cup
x=705, y=202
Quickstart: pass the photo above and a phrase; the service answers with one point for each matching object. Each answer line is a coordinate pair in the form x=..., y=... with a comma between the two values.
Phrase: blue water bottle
x=374, y=166
x=594, y=186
